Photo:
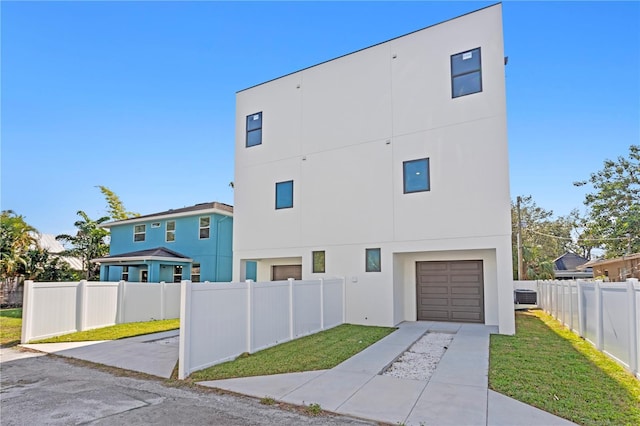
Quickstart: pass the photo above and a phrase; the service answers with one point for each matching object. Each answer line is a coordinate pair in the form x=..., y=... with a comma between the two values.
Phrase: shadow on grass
x=549, y=367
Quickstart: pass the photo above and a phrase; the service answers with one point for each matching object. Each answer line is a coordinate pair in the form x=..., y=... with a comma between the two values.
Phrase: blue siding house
x=192, y=243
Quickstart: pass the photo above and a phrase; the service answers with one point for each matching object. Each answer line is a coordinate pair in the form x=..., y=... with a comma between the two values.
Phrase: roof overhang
x=141, y=259
x=167, y=216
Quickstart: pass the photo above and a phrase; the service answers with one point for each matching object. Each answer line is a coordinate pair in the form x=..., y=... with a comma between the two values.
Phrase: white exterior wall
x=341, y=131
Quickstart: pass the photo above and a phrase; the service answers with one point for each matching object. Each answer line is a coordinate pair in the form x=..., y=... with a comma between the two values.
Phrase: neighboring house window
x=318, y=261
x=254, y=129
x=171, y=231
x=416, y=175
x=373, y=260
x=195, y=273
x=139, y=232
x=205, y=225
x=177, y=274
x=466, y=73
x=125, y=273
x=284, y=195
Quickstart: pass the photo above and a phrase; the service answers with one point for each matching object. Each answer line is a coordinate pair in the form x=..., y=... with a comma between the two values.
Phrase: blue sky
x=140, y=97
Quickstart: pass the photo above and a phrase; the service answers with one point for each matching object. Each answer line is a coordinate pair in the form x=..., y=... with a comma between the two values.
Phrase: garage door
x=284, y=272
x=450, y=291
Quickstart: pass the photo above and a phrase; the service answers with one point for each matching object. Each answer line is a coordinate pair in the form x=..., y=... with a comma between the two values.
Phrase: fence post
x=581, y=308
x=27, y=312
x=249, y=315
x=291, y=308
x=121, y=289
x=162, y=290
x=633, y=328
x=562, y=310
x=184, y=363
x=81, y=314
x=321, y=304
x=571, y=305
x=599, y=317
x=344, y=300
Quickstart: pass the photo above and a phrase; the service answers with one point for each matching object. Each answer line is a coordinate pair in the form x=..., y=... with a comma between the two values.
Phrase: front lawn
x=549, y=367
x=318, y=351
x=10, y=326
x=118, y=331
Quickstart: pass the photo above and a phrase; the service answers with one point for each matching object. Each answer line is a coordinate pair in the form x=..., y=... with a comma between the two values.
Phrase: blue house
x=192, y=243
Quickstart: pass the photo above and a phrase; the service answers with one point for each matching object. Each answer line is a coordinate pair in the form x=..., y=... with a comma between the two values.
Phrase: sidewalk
x=456, y=394
x=155, y=354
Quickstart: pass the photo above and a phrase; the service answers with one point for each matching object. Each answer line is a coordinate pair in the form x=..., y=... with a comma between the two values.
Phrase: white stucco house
x=389, y=167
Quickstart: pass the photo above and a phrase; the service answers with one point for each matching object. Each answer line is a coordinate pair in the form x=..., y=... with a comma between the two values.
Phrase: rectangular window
x=195, y=273
x=284, y=195
x=204, y=227
x=125, y=273
x=171, y=231
x=155, y=225
x=318, y=261
x=177, y=274
x=373, y=260
x=466, y=73
x=416, y=175
x=254, y=129
x=139, y=232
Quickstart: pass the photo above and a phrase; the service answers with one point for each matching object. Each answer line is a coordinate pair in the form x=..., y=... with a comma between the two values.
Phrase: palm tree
x=88, y=243
x=16, y=239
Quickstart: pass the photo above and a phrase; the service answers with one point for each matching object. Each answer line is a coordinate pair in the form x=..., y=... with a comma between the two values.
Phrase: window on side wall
x=125, y=273
x=284, y=195
x=139, y=233
x=177, y=274
x=195, y=273
x=416, y=175
x=318, y=262
x=254, y=129
x=205, y=227
x=466, y=73
x=373, y=260
x=171, y=231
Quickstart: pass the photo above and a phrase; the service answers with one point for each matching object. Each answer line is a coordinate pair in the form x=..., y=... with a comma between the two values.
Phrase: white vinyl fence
x=219, y=321
x=607, y=315
x=52, y=309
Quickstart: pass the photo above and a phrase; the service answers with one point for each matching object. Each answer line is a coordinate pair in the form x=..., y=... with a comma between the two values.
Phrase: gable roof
x=158, y=253
x=201, y=208
x=568, y=262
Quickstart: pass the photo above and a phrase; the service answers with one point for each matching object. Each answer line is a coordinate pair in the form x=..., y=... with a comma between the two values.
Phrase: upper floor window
x=171, y=231
x=466, y=73
x=284, y=195
x=254, y=129
x=205, y=226
x=139, y=232
x=318, y=261
x=416, y=175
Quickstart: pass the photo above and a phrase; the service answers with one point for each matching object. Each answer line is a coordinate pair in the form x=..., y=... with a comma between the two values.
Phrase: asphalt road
x=39, y=390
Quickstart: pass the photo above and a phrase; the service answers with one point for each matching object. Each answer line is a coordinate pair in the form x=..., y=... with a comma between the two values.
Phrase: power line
x=578, y=239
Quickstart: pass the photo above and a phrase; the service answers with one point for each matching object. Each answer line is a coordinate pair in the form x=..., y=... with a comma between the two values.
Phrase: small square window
x=416, y=175
x=254, y=129
x=284, y=195
x=318, y=262
x=373, y=260
x=139, y=233
x=466, y=73
x=205, y=227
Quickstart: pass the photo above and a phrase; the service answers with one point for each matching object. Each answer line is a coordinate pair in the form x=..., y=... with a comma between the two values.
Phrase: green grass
x=549, y=367
x=114, y=332
x=315, y=352
x=10, y=327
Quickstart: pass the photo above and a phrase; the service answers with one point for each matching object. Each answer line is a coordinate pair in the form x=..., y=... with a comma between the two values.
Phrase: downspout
x=218, y=245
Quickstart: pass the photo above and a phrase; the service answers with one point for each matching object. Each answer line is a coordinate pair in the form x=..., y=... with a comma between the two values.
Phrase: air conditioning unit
x=525, y=299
